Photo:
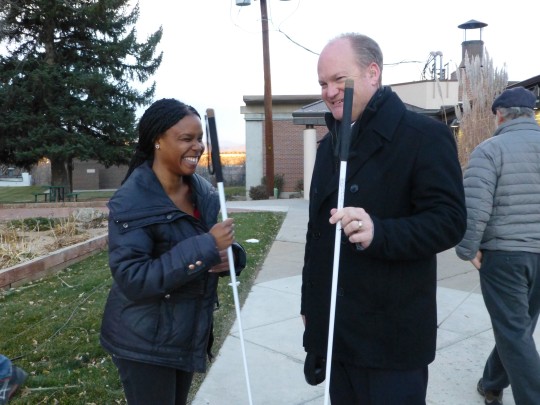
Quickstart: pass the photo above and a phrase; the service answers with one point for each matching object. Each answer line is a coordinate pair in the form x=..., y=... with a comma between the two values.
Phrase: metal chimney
x=473, y=47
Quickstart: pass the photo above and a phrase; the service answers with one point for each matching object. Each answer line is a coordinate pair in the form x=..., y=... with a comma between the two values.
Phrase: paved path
x=273, y=330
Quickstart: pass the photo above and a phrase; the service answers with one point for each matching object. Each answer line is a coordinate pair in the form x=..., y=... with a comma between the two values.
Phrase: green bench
x=45, y=194
x=72, y=195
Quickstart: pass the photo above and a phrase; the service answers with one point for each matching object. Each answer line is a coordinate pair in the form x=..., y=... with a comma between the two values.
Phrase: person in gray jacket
x=502, y=189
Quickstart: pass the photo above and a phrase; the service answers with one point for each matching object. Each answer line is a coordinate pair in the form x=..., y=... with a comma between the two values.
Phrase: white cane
x=216, y=162
x=344, y=140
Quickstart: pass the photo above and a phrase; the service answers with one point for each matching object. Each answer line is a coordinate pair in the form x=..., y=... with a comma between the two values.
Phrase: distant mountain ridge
x=231, y=146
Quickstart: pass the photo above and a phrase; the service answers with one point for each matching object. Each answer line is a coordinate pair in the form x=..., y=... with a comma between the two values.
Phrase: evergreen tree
x=67, y=78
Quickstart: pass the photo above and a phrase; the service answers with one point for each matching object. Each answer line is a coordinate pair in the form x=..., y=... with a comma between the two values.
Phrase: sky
x=212, y=49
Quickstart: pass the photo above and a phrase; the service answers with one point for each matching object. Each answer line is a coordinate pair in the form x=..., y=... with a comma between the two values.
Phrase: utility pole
x=268, y=119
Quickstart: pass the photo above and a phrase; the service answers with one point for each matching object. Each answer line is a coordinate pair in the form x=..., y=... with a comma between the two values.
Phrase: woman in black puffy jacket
x=166, y=253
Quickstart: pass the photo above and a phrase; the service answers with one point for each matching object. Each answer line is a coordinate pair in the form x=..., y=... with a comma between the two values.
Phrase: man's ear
x=374, y=71
x=498, y=117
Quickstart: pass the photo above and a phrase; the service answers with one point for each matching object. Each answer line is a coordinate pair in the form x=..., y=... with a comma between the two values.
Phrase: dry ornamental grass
x=23, y=240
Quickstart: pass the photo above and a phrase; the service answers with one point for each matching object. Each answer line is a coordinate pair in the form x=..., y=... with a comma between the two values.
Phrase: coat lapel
x=365, y=143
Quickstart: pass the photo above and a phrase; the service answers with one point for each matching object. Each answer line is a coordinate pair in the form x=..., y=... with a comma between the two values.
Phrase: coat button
x=354, y=188
x=169, y=216
x=191, y=267
x=317, y=235
x=198, y=263
x=168, y=296
x=125, y=225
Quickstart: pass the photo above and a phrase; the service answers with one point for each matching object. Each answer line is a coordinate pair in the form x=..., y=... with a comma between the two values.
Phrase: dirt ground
x=40, y=243
x=19, y=245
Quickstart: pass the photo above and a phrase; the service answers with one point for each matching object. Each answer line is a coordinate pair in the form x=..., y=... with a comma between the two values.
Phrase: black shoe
x=493, y=397
x=9, y=386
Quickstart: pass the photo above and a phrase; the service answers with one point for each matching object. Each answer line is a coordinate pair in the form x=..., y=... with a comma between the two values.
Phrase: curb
x=20, y=274
x=84, y=204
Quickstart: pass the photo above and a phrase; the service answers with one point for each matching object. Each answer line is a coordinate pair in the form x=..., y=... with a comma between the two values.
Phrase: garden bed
x=34, y=247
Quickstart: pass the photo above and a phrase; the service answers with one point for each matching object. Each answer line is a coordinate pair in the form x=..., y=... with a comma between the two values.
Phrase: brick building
x=87, y=175
x=288, y=139
x=92, y=175
x=298, y=123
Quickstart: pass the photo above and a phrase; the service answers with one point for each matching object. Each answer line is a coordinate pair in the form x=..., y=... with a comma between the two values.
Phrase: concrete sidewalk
x=272, y=329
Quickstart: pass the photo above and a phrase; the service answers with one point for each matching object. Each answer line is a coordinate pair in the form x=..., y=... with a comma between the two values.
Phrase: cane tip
x=349, y=83
x=210, y=112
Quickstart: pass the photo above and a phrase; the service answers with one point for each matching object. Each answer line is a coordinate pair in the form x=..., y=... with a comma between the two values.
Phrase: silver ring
x=359, y=225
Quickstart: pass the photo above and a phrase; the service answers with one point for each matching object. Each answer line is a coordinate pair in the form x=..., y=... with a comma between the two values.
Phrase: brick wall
x=112, y=177
x=92, y=175
x=289, y=152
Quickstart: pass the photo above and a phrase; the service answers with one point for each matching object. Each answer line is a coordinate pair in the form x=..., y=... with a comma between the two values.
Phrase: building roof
x=282, y=99
x=313, y=114
x=532, y=84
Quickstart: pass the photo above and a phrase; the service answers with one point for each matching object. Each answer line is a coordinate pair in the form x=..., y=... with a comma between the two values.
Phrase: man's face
x=337, y=63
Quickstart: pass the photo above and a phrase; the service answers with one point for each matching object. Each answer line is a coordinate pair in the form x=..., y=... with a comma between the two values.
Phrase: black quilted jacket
x=160, y=307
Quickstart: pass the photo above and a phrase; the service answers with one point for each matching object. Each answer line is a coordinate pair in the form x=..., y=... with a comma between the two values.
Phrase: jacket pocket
x=184, y=314
x=147, y=321
x=164, y=323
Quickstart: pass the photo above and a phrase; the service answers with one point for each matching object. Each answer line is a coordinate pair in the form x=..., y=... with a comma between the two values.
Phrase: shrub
x=279, y=181
x=258, y=193
x=299, y=186
x=33, y=224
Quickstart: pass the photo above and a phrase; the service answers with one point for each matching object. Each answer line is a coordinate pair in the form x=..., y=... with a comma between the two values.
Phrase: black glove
x=314, y=369
x=240, y=259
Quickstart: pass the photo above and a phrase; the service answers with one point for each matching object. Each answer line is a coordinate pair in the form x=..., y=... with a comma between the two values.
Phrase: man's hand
x=356, y=223
x=477, y=261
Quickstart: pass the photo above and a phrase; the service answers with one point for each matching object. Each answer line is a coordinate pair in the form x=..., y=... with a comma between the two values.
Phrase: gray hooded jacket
x=502, y=190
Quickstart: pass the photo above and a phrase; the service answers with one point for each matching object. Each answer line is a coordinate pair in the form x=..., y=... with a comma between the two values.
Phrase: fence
x=16, y=181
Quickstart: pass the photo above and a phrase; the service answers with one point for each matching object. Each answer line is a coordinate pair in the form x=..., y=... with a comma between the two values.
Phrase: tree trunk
x=59, y=172
x=70, y=175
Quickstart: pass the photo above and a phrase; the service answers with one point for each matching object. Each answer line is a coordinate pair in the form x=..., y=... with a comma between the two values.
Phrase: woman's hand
x=223, y=234
x=223, y=265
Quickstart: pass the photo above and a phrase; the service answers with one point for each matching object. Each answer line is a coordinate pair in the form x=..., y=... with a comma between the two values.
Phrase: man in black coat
x=403, y=204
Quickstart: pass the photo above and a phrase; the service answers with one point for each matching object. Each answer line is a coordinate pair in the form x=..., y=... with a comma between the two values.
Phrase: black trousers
x=351, y=385
x=148, y=384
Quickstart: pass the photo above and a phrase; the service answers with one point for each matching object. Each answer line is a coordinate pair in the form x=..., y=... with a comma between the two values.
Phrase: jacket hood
x=123, y=206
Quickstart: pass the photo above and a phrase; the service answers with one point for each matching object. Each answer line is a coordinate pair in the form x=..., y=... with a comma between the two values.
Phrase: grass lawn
x=10, y=195
x=51, y=327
